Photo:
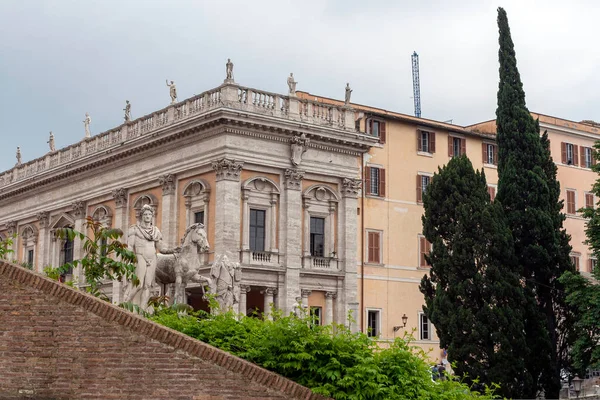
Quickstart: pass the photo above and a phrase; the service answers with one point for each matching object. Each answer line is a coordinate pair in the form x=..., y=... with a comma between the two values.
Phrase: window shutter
x=419, y=189
x=369, y=126
x=492, y=192
x=563, y=151
x=381, y=182
x=463, y=147
x=419, y=142
x=422, y=250
x=367, y=180
x=570, y=202
x=590, y=265
x=589, y=200
x=484, y=153
x=369, y=246
x=582, y=155
x=593, y=157
x=576, y=155
x=450, y=152
x=495, y=155
x=382, y=132
x=432, y=142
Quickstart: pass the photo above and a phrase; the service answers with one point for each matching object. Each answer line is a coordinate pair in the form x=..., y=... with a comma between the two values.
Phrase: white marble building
x=274, y=179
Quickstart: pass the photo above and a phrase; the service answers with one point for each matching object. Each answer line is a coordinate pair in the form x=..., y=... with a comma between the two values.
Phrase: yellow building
x=396, y=172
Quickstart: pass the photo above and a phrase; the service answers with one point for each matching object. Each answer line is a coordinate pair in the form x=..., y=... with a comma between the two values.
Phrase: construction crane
x=416, y=84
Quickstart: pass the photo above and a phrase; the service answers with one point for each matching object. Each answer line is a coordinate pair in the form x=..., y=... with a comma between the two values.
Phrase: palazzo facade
x=274, y=179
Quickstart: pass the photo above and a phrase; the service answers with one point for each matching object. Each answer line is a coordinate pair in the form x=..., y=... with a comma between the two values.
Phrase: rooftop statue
x=86, y=124
x=348, y=94
x=291, y=84
x=127, y=110
x=18, y=156
x=51, y=142
x=172, y=91
x=229, y=70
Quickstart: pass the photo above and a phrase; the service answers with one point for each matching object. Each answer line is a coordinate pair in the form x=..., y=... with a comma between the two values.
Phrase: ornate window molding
x=197, y=197
x=103, y=214
x=142, y=200
x=57, y=247
x=321, y=201
x=29, y=238
x=261, y=193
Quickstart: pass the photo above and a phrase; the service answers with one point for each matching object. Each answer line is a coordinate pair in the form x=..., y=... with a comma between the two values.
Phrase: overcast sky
x=60, y=59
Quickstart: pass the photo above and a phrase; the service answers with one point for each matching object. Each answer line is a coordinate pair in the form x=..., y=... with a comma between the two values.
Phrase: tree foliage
x=105, y=256
x=328, y=359
x=528, y=192
x=6, y=247
x=473, y=300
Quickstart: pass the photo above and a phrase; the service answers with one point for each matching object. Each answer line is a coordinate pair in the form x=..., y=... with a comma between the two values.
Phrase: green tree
x=528, y=192
x=105, y=256
x=473, y=300
x=6, y=247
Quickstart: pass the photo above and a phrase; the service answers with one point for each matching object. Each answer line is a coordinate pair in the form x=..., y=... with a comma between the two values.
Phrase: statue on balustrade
x=86, y=124
x=19, y=162
x=172, y=91
x=224, y=283
x=229, y=70
x=348, y=94
x=127, y=110
x=144, y=239
x=51, y=142
x=292, y=84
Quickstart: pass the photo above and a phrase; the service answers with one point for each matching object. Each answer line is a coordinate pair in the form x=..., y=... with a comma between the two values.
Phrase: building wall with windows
x=275, y=181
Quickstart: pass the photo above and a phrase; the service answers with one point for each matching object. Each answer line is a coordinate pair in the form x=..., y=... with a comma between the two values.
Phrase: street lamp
x=404, y=320
x=577, y=382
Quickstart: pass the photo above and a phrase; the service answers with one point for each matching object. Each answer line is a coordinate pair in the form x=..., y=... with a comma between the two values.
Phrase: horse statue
x=183, y=266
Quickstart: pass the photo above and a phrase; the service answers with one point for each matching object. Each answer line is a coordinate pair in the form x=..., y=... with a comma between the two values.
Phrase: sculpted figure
x=229, y=70
x=86, y=123
x=299, y=145
x=348, y=93
x=18, y=156
x=144, y=239
x=291, y=84
x=172, y=91
x=127, y=110
x=51, y=142
x=225, y=277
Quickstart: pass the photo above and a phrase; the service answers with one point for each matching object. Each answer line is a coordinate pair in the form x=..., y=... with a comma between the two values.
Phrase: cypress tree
x=528, y=192
x=471, y=298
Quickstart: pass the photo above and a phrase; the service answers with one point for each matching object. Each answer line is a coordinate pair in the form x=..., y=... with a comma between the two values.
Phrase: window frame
x=421, y=176
x=264, y=211
x=462, y=146
x=422, y=315
x=576, y=260
x=379, y=247
x=425, y=141
x=492, y=191
x=314, y=317
x=380, y=181
x=428, y=248
x=573, y=210
x=381, y=128
x=312, y=236
x=378, y=313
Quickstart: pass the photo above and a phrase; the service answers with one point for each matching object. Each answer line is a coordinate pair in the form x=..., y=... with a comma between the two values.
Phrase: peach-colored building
x=396, y=172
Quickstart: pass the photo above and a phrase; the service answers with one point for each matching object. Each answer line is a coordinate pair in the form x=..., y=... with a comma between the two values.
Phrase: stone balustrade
x=227, y=95
x=326, y=263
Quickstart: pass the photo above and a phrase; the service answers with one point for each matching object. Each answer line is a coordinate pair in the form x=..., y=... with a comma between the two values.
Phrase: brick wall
x=59, y=343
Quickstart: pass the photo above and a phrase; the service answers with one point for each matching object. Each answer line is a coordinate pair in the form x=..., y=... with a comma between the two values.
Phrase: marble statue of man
x=172, y=91
x=127, y=110
x=51, y=142
x=348, y=94
x=144, y=239
x=229, y=70
x=86, y=124
x=18, y=156
x=225, y=277
x=291, y=84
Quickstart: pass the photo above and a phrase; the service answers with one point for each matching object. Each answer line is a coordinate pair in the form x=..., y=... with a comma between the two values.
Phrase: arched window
x=320, y=216
x=141, y=201
x=197, y=197
x=29, y=236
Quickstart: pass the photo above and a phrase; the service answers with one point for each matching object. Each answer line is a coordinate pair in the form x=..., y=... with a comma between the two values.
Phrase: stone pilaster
x=244, y=289
x=121, y=222
x=269, y=299
x=78, y=211
x=347, y=227
x=228, y=211
x=11, y=228
x=43, y=236
x=169, y=209
x=328, y=317
x=291, y=236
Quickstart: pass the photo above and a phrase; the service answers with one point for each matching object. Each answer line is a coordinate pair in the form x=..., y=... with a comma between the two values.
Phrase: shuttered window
x=374, y=247
x=589, y=200
x=377, y=128
x=489, y=153
x=571, y=208
x=492, y=192
x=426, y=141
x=424, y=248
x=423, y=182
x=587, y=157
x=569, y=153
x=374, y=181
x=456, y=146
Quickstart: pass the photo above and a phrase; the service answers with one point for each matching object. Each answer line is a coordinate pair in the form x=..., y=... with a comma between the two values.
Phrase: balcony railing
x=264, y=258
x=326, y=263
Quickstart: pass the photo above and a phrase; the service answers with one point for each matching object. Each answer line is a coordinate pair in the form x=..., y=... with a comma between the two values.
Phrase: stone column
x=347, y=226
x=227, y=215
x=291, y=237
x=306, y=240
x=79, y=212
x=244, y=289
x=273, y=239
x=332, y=240
x=269, y=294
x=305, y=293
x=328, y=317
x=168, y=223
x=245, y=221
x=11, y=227
x=42, y=247
x=121, y=222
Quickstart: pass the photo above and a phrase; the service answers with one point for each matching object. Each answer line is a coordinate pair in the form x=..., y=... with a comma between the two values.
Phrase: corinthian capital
x=228, y=169
x=167, y=182
x=120, y=196
x=78, y=209
x=44, y=218
x=293, y=179
x=11, y=227
x=351, y=187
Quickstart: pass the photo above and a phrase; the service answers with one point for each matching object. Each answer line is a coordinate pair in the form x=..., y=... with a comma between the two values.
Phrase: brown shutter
x=450, y=152
x=370, y=126
x=375, y=246
x=576, y=155
x=582, y=155
x=492, y=192
x=593, y=157
x=419, y=142
x=370, y=247
x=589, y=200
x=495, y=155
x=590, y=265
x=563, y=151
x=419, y=189
x=367, y=180
x=432, y=142
x=484, y=153
x=382, y=136
x=463, y=147
x=422, y=250
x=381, y=182
x=570, y=202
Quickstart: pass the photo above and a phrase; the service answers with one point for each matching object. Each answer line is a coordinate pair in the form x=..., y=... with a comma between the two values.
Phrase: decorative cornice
x=168, y=184
x=78, y=209
x=11, y=227
x=330, y=295
x=120, y=196
x=293, y=179
x=351, y=187
x=228, y=169
x=44, y=218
